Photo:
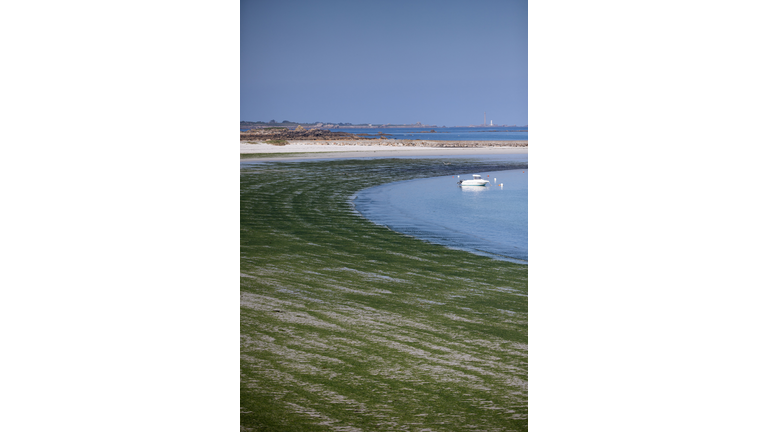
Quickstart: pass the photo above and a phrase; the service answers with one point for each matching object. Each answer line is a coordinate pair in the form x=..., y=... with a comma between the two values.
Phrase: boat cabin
x=475, y=177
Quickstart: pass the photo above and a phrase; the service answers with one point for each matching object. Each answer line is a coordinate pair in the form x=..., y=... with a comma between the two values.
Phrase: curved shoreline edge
x=434, y=237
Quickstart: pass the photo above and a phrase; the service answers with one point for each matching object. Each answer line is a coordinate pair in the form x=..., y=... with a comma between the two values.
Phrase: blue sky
x=435, y=62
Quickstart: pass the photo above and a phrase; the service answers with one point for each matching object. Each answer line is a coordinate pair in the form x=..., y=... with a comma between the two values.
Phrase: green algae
x=347, y=325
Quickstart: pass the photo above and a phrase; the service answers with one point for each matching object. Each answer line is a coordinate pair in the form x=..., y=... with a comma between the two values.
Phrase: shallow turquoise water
x=491, y=220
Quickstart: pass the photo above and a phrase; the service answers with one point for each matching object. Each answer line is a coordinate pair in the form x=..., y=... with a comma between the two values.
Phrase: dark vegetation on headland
x=347, y=325
x=300, y=133
x=326, y=125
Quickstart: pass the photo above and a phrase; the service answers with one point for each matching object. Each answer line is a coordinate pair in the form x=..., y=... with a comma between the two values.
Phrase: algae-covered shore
x=347, y=325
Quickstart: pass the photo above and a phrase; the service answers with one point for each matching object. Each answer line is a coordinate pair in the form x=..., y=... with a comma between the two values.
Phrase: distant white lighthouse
x=491, y=122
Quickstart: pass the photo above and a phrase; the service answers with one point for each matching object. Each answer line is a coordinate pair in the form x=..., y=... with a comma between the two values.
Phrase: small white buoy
x=494, y=179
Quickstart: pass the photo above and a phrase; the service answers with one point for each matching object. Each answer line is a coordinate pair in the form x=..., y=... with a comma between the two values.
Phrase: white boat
x=476, y=181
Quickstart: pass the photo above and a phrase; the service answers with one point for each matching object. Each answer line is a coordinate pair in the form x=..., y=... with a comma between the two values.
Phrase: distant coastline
x=323, y=125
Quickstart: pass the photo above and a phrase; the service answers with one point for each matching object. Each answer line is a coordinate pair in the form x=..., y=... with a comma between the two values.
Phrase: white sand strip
x=350, y=149
x=312, y=148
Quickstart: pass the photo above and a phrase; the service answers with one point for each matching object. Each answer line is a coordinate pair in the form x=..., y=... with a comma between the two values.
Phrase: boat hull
x=474, y=183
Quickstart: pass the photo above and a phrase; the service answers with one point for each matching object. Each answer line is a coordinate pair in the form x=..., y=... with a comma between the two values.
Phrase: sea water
x=490, y=220
x=491, y=133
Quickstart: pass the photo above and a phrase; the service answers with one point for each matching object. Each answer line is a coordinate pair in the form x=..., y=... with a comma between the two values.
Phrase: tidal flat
x=349, y=326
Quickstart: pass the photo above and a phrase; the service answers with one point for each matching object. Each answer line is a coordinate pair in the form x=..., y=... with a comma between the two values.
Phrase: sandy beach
x=368, y=148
